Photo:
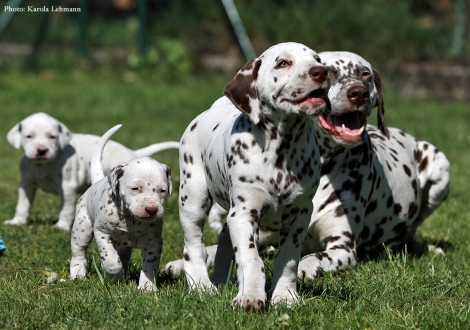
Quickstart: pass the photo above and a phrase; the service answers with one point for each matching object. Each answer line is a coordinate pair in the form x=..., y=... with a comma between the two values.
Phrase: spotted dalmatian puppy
x=57, y=161
x=254, y=152
x=377, y=185
x=123, y=210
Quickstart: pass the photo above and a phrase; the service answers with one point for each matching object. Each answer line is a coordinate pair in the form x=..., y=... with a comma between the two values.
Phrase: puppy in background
x=122, y=211
x=58, y=162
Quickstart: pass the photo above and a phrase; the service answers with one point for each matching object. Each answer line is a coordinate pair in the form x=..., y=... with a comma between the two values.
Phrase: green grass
x=430, y=292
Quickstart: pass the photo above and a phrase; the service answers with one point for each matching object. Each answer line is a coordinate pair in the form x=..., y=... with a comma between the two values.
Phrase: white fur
x=58, y=162
x=262, y=164
x=375, y=189
x=122, y=211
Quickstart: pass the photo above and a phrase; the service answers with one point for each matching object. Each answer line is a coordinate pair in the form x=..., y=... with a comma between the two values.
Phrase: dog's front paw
x=309, y=268
x=62, y=226
x=15, y=222
x=175, y=267
x=435, y=249
x=250, y=302
x=146, y=286
x=286, y=298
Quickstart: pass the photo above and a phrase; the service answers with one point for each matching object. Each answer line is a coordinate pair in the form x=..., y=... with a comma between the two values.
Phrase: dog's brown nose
x=358, y=95
x=318, y=73
x=151, y=210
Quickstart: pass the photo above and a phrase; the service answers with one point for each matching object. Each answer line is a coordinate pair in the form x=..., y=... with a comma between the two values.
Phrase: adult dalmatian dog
x=377, y=187
x=58, y=162
x=254, y=152
x=122, y=210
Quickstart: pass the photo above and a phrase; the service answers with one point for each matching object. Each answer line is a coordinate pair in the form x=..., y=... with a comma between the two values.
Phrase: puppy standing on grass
x=254, y=152
x=122, y=211
x=58, y=162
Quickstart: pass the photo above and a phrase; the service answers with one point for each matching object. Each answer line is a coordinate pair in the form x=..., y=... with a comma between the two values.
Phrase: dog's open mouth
x=315, y=98
x=347, y=127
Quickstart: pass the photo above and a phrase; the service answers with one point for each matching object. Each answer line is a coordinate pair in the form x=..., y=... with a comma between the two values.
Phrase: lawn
x=429, y=292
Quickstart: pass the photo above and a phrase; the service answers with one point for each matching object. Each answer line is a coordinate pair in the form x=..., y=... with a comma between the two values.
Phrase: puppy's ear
x=65, y=135
x=14, y=136
x=243, y=92
x=114, y=176
x=168, y=179
x=380, y=104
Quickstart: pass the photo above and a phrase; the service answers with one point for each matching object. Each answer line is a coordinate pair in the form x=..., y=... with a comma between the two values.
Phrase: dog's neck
x=281, y=130
x=331, y=151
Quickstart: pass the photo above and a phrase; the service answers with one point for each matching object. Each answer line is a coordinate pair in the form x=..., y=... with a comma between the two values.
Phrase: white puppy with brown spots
x=58, y=162
x=122, y=211
x=254, y=152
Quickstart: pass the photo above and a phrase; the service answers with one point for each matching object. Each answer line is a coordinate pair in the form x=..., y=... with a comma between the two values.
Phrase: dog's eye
x=135, y=188
x=317, y=58
x=29, y=136
x=282, y=64
x=365, y=75
x=163, y=191
x=52, y=137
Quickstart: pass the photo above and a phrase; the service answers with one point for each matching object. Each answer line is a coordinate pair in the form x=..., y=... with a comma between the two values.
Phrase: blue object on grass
x=2, y=246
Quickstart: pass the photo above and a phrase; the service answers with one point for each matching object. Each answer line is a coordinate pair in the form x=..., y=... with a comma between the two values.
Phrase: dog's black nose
x=358, y=95
x=318, y=73
x=42, y=152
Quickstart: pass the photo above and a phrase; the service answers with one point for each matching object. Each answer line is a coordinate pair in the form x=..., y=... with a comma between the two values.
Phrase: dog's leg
x=125, y=254
x=434, y=179
x=284, y=281
x=151, y=261
x=26, y=193
x=193, y=211
x=223, y=257
x=216, y=217
x=67, y=208
x=109, y=256
x=82, y=235
x=337, y=257
x=243, y=225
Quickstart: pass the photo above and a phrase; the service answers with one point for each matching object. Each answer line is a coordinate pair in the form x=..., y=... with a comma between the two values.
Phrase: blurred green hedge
x=386, y=32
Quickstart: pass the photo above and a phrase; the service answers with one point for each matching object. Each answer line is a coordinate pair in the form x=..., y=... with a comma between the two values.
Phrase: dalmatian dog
x=254, y=152
x=123, y=210
x=377, y=184
x=58, y=162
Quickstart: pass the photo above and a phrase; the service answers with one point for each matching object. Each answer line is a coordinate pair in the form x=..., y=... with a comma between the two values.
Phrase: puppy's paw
x=62, y=226
x=15, y=222
x=175, y=267
x=250, y=302
x=147, y=286
x=286, y=298
x=435, y=249
x=309, y=267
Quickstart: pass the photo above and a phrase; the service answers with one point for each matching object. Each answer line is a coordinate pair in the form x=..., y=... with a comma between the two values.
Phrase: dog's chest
x=269, y=169
x=134, y=233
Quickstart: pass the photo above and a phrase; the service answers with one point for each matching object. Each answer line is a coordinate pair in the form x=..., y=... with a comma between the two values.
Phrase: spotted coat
x=254, y=152
x=377, y=187
x=57, y=161
x=122, y=211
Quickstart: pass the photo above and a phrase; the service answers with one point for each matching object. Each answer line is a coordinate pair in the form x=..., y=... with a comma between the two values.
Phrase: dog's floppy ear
x=65, y=135
x=168, y=179
x=243, y=92
x=380, y=104
x=14, y=136
x=114, y=176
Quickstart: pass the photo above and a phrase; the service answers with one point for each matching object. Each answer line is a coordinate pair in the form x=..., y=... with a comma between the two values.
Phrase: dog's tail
x=157, y=147
x=96, y=168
